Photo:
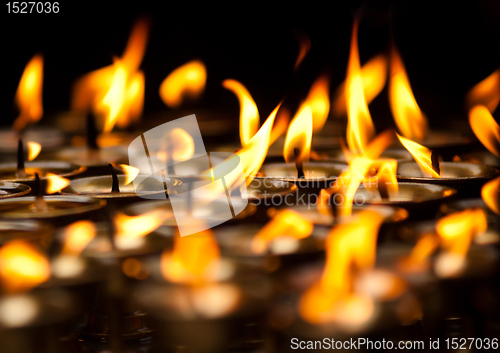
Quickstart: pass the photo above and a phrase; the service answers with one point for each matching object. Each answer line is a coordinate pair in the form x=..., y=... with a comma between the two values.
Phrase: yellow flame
x=29, y=94
x=486, y=92
x=249, y=114
x=34, y=149
x=323, y=206
x=177, y=144
x=350, y=248
x=55, y=183
x=191, y=259
x=421, y=154
x=374, y=74
x=133, y=227
x=360, y=129
x=280, y=125
x=22, y=266
x=299, y=135
x=490, y=193
x=485, y=128
x=458, y=229
x=187, y=80
x=386, y=175
x=285, y=223
x=411, y=122
x=115, y=93
x=130, y=172
x=418, y=258
x=77, y=236
x=319, y=101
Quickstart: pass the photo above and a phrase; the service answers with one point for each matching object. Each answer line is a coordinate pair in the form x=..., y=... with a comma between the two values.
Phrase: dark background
x=447, y=47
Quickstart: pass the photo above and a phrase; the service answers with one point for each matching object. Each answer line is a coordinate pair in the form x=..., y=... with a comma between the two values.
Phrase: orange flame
x=304, y=47
x=178, y=143
x=490, y=193
x=33, y=150
x=323, y=206
x=280, y=125
x=417, y=261
x=187, y=80
x=77, y=236
x=249, y=114
x=374, y=74
x=350, y=248
x=55, y=183
x=411, y=122
x=133, y=227
x=360, y=129
x=299, y=135
x=192, y=259
x=285, y=223
x=116, y=92
x=486, y=92
x=485, y=128
x=130, y=172
x=29, y=94
x=421, y=154
x=386, y=175
x=318, y=100
x=22, y=266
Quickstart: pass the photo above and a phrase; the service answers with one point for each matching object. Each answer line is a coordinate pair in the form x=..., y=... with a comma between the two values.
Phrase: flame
x=116, y=92
x=421, y=154
x=386, y=175
x=350, y=248
x=304, y=47
x=280, y=125
x=360, y=129
x=29, y=94
x=133, y=227
x=418, y=258
x=299, y=135
x=177, y=144
x=191, y=259
x=285, y=223
x=323, y=206
x=486, y=92
x=411, y=122
x=249, y=114
x=457, y=229
x=318, y=100
x=485, y=128
x=55, y=183
x=33, y=150
x=77, y=236
x=187, y=80
x=490, y=193
x=374, y=74
x=130, y=172
x=22, y=266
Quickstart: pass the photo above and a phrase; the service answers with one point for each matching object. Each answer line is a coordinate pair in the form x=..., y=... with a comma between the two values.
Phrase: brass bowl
x=8, y=190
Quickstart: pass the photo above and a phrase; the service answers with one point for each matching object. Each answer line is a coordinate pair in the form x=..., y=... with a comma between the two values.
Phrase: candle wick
x=40, y=204
x=21, y=172
x=91, y=132
x=298, y=163
x=115, y=185
x=435, y=162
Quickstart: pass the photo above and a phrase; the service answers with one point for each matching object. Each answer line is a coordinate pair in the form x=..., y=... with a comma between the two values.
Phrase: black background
x=447, y=47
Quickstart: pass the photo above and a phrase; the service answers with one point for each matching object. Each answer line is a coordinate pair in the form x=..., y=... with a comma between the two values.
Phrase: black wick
x=91, y=132
x=20, y=156
x=298, y=163
x=115, y=186
x=435, y=162
x=38, y=187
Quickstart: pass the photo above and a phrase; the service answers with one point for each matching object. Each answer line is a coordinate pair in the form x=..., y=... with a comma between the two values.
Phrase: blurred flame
x=304, y=47
x=130, y=172
x=411, y=122
x=77, y=236
x=249, y=114
x=116, y=92
x=486, y=92
x=299, y=135
x=421, y=154
x=29, y=94
x=22, y=266
x=191, y=259
x=33, y=150
x=485, y=128
x=187, y=80
x=417, y=260
x=490, y=193
x=360, y=129
x=55, y=183
x=374, y=74
x=285, y=223
x=319, y=102
x=323, y=206
x=386, y=175
x=133, y=227
x=177, y=142
x=350, y=248
x=280, y=125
